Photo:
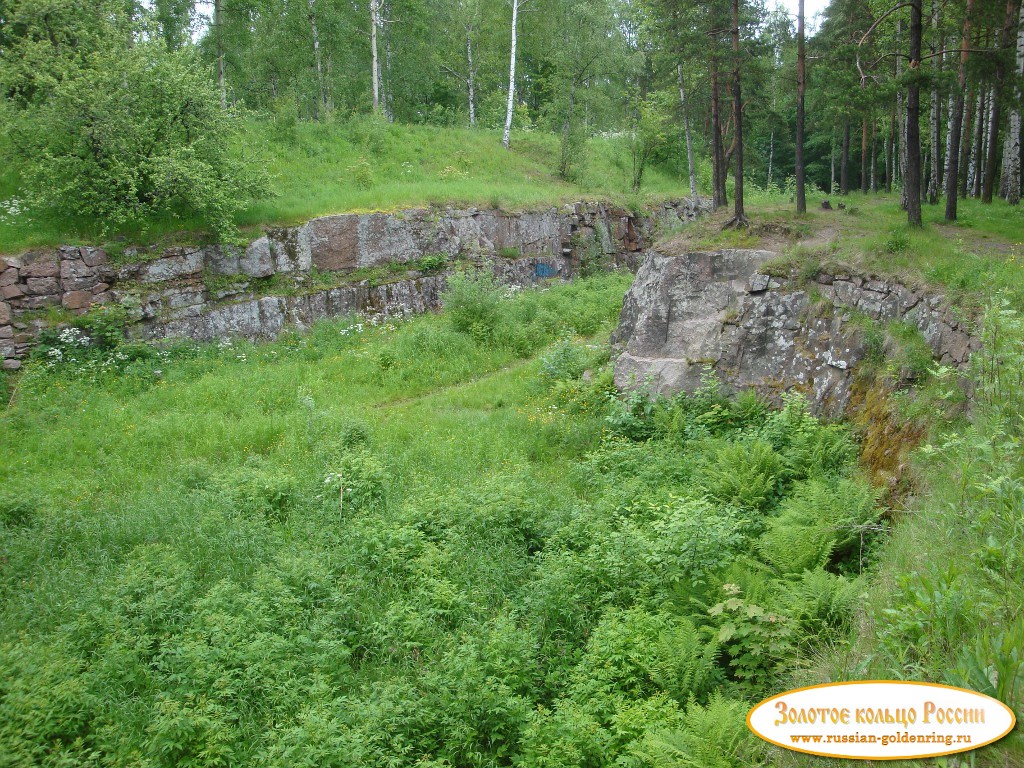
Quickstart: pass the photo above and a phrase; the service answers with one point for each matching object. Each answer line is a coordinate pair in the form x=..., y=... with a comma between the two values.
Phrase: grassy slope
x=363, y=165
x=971, y=260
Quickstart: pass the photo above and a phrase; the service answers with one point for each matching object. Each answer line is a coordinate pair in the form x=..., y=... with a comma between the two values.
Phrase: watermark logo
x=881, y=720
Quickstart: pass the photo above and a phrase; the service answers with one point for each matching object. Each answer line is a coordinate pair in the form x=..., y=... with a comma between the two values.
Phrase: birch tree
x=375, y=59
x=690, y=164
x=318, y=65
x=511, y=104
x=1012, y=148
x=801, y=88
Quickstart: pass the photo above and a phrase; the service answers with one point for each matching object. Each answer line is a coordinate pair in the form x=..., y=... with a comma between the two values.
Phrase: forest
x=448, y=539
x=125, y=116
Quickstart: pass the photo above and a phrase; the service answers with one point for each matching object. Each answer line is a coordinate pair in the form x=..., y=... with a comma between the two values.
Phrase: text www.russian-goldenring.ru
x=885, y=740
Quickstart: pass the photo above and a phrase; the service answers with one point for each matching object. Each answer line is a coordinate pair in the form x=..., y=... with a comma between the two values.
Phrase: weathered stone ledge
x=170, y=288
x=772, y=334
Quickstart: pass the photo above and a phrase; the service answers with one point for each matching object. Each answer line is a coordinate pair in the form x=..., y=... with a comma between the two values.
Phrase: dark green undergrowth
x=443, y=542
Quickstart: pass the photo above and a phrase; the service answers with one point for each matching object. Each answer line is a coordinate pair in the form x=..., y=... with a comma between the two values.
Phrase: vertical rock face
x=210, y=291
x=685, y=314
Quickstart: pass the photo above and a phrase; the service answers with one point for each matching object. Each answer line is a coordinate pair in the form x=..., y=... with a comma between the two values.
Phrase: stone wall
x=719, y=309
x=176, y=291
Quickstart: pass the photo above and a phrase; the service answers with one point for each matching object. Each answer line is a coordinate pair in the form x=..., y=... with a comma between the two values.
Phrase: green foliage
x=137, y=134
x=712, y=736
x=564, y=362
x=369, y=560
x=472, y=303
x=757, y=641
x=819, y=522
x=745, y=474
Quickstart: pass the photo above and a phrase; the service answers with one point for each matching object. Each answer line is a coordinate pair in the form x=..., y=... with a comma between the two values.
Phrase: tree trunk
x=317, y=59
x=1012, y=150
x=889, y=138
x=510, y=107
x=953, y=155
x=864, y=156
x=471, y=79
x=221, y=85
x=901, y=119
x=912, y=181
x=387, y=93
x=965, y=145
x=981, y=116
x=997, y=98
x=801, y=87
x=686, y=131
x=844, y=161
x=832, y=162
x=987, y=169
x=739, y=218
x=566, y=160
x=874, y=156
x=375, y=71
x=717, y=150
x=934, y=178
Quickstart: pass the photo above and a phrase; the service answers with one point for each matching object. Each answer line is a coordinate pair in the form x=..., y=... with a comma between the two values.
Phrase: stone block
x=11, y=364
x=182, y=263
x=334, y=242
x=6, y=332
x=46, y=267
x=5, y=312
x=42, y=286
x=258, y=260
x=93, y=257
x=77, y=300
x=8, y=277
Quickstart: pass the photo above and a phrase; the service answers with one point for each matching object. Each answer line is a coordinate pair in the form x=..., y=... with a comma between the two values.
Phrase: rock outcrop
x=718, y=309
x=216, y=290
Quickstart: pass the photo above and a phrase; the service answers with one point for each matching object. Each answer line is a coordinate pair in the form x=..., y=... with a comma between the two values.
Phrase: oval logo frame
x=881, y=720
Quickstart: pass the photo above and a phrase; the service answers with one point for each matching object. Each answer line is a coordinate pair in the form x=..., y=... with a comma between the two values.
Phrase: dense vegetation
x=143, y=119
x=521, y=568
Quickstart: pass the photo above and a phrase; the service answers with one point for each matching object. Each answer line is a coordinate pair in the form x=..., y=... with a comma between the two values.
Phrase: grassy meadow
x=364, y=164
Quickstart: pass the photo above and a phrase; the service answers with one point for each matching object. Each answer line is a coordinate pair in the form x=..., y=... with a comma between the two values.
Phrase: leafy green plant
x=472, y=303
x=138, y=133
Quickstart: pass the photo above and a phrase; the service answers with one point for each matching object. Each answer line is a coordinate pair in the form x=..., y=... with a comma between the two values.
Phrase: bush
x=472, y=303
x=566, y=361
x=138, y=133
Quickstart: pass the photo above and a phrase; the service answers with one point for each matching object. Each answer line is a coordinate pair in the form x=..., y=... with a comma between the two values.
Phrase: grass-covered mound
x=443, y=542
x=366, y=164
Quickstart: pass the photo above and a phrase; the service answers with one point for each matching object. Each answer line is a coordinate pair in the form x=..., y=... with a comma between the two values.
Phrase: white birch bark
x=1012, y=148
x=375, y=75
x=686, y=131
x=471, y=79
x=510, y=107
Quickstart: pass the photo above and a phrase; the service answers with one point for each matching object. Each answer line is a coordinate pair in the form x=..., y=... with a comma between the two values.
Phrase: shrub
x=138, y=133
x=820, y=521
x=472, y=303
x=564, y=362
